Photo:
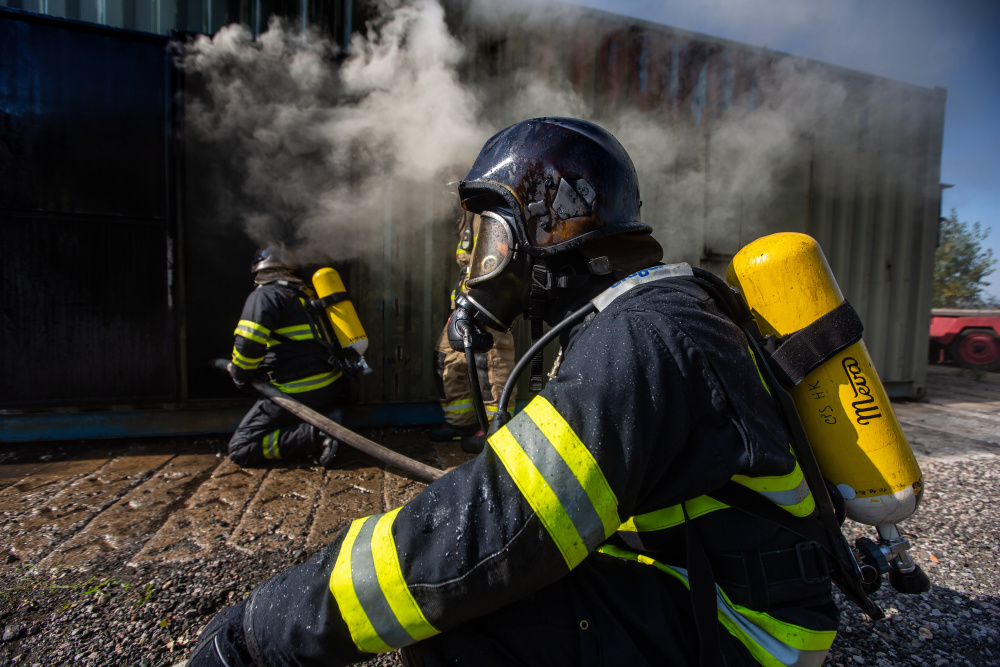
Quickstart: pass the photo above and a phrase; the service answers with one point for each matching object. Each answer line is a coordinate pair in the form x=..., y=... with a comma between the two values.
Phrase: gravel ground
x=150, y=616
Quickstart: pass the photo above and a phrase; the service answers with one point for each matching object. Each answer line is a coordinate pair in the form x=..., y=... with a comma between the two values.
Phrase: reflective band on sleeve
x=297, y=332
x=772, y=642
x=246, y=362
x=271, y=445
x=789, y=492
x=579, y=459
x=253, y=331
x=367, y=583
x=308, y=384
x=668, y=517
x=559, y=478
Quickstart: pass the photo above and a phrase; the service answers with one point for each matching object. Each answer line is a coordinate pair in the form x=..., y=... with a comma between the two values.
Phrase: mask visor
x=494, y=247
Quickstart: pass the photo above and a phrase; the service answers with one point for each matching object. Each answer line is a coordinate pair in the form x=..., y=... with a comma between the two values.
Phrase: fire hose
x=345, y=435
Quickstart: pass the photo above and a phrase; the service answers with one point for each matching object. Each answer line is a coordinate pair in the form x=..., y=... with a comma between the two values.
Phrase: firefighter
x=624, y=516
x=451, y=370
x=275, y=340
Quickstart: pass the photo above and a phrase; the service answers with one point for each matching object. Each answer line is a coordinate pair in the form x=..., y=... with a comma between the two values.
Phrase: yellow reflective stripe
x=540, y=496
x=559, y=478
x=790, y=492
x=757, y=365
x=579, y=459
x=804, y=639
x=271, y=445
x=465, y=405
x=461, y=405
x=392, y=583
x=245, y=362
x=308, y=384
x=367, y=583
x=772, y=642
x=297, y=332
x=253, y=331
x=342, y=588
x=669, y=517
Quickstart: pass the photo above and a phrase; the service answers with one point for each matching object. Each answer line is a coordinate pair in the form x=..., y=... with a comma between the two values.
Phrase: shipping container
x=125, y=283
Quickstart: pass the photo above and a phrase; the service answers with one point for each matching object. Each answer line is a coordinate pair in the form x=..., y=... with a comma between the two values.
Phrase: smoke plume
x=319, y=144
x=313, y=140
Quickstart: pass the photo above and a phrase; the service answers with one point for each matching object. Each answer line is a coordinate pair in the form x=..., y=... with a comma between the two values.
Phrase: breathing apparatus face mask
x=494, y=246
x=499, y=273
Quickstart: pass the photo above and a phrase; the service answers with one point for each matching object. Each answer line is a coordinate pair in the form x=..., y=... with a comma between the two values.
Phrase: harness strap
x=703, y=597
x=330, y=300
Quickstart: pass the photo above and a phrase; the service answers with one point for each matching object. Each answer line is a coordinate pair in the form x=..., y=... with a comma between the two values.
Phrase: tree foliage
x=960, y=264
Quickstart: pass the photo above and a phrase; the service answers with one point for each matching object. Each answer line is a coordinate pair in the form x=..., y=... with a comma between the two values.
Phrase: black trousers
x=608, y=612
x=269, y=433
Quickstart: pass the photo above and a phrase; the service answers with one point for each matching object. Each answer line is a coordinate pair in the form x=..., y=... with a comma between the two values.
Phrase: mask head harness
x=544, y=188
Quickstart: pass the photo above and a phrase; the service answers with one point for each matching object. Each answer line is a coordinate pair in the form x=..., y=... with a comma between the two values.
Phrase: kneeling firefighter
x=618, y=518
x=283, y=335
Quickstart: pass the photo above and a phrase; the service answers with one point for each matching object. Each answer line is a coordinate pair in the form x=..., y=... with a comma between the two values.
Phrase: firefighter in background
x=452, y=372
x=621, y=518
x=275, y=340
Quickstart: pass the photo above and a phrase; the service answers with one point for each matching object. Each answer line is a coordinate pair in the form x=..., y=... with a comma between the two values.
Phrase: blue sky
x=954, y=45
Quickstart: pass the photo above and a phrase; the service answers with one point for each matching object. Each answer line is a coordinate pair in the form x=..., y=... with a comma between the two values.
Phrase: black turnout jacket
x=658, y=402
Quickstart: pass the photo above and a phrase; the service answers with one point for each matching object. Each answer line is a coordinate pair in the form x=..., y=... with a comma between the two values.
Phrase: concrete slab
x=138, y=514
x=55, y=517
x=209, y=516
x=347, y=495
x=280, y=513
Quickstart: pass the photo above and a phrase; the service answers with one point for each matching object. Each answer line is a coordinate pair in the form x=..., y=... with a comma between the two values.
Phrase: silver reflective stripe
x=366, y=586
x=777, y=649
x=790, y=497
x=604, y=299
x=457, y=406
x=563, y=483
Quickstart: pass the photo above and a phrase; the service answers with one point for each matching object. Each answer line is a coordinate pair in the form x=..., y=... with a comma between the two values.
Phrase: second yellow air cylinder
x=343, y=317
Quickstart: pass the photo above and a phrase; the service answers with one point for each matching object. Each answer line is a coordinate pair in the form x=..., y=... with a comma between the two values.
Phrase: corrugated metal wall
x=85, y=225
x=87, y=185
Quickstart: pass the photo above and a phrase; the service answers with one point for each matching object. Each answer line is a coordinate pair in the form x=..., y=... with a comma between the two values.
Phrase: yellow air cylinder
x=347, y=326
x=850, y=423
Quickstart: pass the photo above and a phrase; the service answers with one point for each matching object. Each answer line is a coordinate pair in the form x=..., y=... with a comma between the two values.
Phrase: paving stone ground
x=148, y=519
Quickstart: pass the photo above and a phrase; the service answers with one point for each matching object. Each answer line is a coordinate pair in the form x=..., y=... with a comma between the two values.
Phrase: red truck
x=969, y=338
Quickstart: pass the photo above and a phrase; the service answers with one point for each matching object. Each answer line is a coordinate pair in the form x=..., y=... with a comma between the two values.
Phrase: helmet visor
x=494, y=247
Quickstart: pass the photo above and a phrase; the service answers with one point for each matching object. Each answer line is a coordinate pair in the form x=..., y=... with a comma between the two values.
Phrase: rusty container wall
x=85, y=228
x=860, y=172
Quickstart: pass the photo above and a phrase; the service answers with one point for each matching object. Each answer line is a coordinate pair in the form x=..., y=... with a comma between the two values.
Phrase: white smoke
x=319, y=141
x=312, y=140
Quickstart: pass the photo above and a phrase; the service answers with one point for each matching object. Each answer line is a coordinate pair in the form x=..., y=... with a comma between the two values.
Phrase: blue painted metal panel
x=35, y=427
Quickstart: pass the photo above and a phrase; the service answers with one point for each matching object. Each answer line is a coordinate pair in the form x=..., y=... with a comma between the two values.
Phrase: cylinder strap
x=799, y=353
x=331, y=299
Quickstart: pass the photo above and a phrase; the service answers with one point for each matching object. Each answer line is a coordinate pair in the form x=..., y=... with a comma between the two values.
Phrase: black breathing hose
x=552, y=333
x=477, y=394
